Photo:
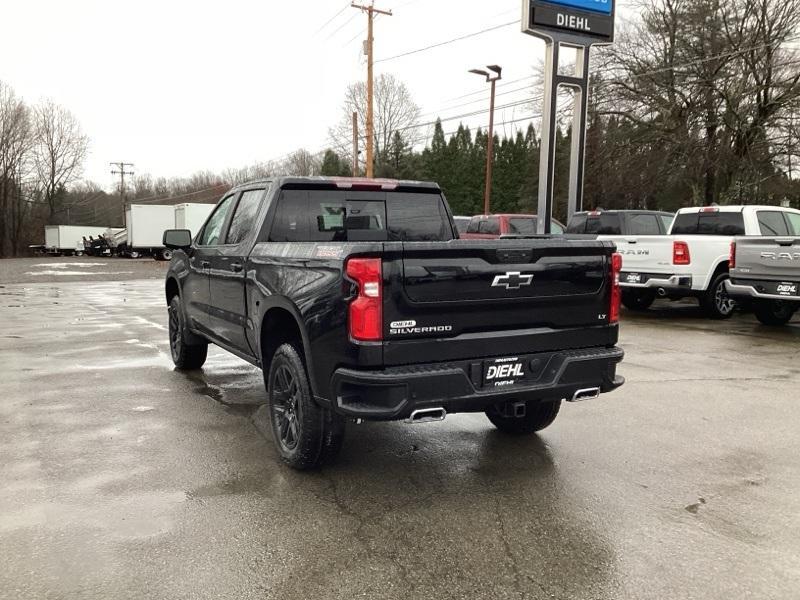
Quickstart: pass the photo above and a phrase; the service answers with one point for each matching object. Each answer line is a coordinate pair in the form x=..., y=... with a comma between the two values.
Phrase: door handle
x=237, y=267
x=205, y=264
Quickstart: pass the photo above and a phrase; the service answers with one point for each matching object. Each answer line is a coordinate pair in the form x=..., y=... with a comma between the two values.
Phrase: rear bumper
x=654, y=281
x=738, y=289
x=395, y=393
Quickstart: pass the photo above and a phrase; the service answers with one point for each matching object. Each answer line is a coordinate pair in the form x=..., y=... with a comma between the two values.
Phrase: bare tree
x=395, y=112
x=302, y=163
x=15, y=145
x=61, y=148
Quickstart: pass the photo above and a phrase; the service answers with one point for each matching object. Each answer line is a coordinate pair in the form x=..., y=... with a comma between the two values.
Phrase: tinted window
x=604, y=224
x=490, y=226
x=212, y=232
x=289, y=224
x=474, y=225
x=522, y=226
x=577, y=224
x=794, y=223
x=771, y=222
x=462, y=225
x=721, y=223
x=685, y=224
x=417, y=218
x=244, y=217
x=643, y=225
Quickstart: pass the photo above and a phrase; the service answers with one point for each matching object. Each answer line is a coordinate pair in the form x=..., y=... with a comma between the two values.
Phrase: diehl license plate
x=788, y=289
x=633, y=278
x=503, y=372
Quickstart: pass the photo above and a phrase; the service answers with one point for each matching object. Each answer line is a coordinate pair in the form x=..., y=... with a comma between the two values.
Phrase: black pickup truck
x=358, y=302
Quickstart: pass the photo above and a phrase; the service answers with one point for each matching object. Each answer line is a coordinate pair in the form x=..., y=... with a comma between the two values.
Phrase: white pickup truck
x=693, y=260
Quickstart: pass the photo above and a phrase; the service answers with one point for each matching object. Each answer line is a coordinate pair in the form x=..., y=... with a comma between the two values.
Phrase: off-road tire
x=638, y=300
x=186, y=356
x=773, y=312
x=538, y=416
x=716, y=302
x=306, y=435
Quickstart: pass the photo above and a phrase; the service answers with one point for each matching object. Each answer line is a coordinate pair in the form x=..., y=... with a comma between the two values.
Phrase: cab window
x=212, y=232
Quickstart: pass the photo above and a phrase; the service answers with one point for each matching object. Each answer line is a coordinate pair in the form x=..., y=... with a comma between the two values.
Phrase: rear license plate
x=633, y=278
x=503, y=372
x=790, y=290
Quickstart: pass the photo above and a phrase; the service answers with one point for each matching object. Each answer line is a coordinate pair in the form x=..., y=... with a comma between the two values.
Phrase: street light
x=493, y=78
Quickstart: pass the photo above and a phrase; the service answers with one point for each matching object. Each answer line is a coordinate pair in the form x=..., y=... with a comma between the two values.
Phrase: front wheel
x=716, y=302
x=306, y=434
x=185, y=356
x=774, y=312
x=538, y=416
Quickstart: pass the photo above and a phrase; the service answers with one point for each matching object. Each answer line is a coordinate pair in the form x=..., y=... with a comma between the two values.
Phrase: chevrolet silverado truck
x=358, y=302
x=693, y=260
x=765, y=272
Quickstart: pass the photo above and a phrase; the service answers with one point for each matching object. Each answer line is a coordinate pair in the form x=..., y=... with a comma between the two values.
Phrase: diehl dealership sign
x=592, y=18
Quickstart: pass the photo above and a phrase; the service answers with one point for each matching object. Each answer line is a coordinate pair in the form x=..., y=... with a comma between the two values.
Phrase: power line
x=329, y=21
x=445, y=43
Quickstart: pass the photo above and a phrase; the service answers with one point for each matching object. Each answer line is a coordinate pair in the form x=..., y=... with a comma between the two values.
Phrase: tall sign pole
x=574, y=25
x=369, y=51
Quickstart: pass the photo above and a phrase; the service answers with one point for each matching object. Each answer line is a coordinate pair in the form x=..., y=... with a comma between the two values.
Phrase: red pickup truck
x=489, y=227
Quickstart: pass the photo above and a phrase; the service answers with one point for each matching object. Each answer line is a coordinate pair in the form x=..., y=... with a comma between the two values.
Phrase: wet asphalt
x=121, y=478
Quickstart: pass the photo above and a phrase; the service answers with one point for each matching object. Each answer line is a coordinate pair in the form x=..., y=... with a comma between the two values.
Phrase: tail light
x=616, y=291
x=366, y=310
x=680, y=254
x=732, y=257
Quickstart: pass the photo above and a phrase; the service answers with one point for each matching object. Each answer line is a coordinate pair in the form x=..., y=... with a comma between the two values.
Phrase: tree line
x=698, y=102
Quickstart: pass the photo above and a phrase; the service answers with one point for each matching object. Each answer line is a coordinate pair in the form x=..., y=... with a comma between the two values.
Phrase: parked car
x=765, y=271
x=621, y=222
x=694, y=259
x=358, y=302
x=490, y=227
x=461, y=224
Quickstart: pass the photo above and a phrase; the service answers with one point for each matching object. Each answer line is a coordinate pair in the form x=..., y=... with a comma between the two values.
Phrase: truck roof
x=634, y=211
x=734, y=208
x=346, y=183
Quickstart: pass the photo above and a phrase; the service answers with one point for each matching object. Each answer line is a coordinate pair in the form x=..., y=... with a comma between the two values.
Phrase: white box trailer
x=192, y=216
x=145, y=225
x=68, y=239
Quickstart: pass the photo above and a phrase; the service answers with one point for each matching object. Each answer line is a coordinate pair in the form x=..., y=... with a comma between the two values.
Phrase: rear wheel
x=773, y=312
x=306, y=434
x=163, y=254
x=187, y=357
x=538, y=416
x=716, y=302
x=638, y=299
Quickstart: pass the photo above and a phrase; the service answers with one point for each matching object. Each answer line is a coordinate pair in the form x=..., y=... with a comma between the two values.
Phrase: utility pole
x=493, y=79
x=122, y=173
x=369, y=51
x=355, y=144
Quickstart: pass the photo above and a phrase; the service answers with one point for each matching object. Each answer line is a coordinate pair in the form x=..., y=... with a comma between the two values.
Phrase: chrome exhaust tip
x=587, y=394
x=427, y=415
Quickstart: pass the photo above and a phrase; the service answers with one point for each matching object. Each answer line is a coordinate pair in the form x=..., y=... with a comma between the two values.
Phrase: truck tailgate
x=495, y=298
x=767, y=258
x=644, y=254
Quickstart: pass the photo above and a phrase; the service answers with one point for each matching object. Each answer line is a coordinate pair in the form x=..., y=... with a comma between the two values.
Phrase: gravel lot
x=122, y=478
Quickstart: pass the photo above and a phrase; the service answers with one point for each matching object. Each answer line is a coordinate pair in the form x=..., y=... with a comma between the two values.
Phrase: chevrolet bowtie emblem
x=513, y=280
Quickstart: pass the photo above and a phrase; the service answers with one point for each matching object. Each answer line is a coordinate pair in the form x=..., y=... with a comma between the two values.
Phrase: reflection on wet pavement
x=123, y=478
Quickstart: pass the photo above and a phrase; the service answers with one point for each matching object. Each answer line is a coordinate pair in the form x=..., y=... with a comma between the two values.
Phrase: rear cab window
x=643, y=224
x=709, y=223
x=522, y=225
x=338, y=216
x=772, y=223
x=577, y=224
x=604, y=224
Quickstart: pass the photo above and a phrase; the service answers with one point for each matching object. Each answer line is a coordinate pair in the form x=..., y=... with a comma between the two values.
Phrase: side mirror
x=177, y=239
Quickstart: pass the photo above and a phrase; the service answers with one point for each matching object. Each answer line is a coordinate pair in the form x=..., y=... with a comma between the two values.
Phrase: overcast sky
x=177, y=86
